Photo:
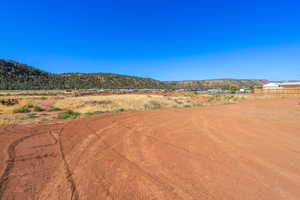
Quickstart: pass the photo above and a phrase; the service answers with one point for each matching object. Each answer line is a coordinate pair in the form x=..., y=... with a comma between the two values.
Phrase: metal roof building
x=290, y=84
x=279, y=85
x=271, y=86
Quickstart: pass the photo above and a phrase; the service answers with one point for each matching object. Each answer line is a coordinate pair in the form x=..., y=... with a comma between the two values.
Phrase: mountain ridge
x=18, y=76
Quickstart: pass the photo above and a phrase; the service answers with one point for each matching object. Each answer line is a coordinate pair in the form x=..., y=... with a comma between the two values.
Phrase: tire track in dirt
x=13, y=159
x=68, y=171
x=136, y=167
x=147, y=133
x=4, y=179
x=123, y=124
x=219, y=152
x=96, y=138
x=69, y=158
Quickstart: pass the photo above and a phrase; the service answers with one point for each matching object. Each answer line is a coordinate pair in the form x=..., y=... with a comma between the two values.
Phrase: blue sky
x=165, y=40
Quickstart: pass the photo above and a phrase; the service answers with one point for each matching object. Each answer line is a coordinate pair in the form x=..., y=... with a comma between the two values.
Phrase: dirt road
x=242, y=151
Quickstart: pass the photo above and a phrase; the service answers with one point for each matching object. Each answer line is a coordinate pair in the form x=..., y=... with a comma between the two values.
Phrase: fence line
x=278, y=91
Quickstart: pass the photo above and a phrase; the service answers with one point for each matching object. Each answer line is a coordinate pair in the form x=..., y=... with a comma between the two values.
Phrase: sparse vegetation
x=121, y=110
x=68, y=114
x=29, y=105
x=198, y=104
x=66, y=106
x=152, y=105
x=32, y=116
x=225, y=98
x=88, y=114
x=118, y=103
x=22, y=109
x=53, y=109
x=28, y=108
x=178, y=101
x=37, y=109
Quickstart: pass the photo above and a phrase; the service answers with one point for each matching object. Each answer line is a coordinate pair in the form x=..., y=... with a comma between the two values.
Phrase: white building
x=290, y=84
x=281, y=85
x=271, y=86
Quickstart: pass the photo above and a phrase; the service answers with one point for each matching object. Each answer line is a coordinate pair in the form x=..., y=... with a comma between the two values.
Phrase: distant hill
x=215, y=83
x=17, y=76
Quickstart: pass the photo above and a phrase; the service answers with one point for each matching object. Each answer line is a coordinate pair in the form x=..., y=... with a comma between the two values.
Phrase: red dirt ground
x=242, y=151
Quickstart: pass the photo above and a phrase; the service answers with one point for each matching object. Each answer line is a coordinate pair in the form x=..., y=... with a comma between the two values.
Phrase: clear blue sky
x=165, y=40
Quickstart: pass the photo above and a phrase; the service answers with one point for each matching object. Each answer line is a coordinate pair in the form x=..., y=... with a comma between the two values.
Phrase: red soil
x=241, y=151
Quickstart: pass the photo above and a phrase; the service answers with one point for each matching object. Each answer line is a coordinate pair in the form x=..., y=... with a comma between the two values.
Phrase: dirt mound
x=241, y=151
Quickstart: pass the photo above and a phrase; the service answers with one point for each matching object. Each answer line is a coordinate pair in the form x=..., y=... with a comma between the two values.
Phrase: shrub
x=68, y=114
x=178, y=101
x=22, y=109
x=99, y=112
x=53, y=109
x=88, y=114
x=38, y=109
x=32, y=116
x=28, y=105
x=29, y=116
x=152, y=105
x=198, y=104
x=121, y=110
x=103, y=102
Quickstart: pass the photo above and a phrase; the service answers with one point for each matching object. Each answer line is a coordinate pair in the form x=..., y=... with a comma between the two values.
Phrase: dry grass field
x=36, y=106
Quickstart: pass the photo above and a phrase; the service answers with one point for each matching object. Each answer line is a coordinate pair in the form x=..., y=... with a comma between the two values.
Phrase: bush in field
x=32, y=116
x=187, y=106
x=53, y=109
x=88, y=114
x=38, y=109
x=214, y=97
x=152, y=105
x=198, y=104
x=120, y=110
x=23, y=109
x=68, y=114
x=29, y=105
x=28, y=108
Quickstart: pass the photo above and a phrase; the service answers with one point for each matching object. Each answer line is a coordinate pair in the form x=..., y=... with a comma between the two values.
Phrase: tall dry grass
x=10, y=109
x=89, y=105
x=111, y=103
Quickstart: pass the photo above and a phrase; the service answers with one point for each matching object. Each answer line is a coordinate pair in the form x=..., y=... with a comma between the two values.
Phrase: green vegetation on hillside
x=16, y=76
x=216, y=83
